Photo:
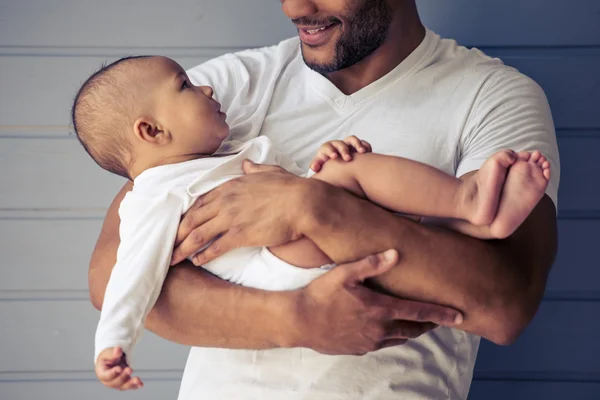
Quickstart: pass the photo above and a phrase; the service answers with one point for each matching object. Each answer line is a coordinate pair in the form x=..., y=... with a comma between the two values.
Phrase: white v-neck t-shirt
x=444, y=105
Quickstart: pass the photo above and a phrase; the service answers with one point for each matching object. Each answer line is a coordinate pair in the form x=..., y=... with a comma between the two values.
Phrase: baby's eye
x=185, y=85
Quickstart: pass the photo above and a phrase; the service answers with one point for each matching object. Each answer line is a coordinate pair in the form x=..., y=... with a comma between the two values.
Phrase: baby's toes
x=535, y=156
x=524, y=155
x=546, y=170
x=541, y=160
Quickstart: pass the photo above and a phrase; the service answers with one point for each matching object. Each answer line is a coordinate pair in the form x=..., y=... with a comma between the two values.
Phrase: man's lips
x=316, y=35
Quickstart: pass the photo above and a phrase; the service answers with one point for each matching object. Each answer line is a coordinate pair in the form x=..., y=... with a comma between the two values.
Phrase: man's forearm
x=196, y=308
x=242, y=318
x=497, y=284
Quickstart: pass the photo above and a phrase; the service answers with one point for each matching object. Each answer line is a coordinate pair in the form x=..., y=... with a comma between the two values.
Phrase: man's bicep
x=536, y=240
x=532, y=250
x=105, y=252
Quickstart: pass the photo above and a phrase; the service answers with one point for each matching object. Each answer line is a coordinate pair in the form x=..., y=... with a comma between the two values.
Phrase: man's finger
x=217, y=248
x=407, y=329
x=196, y=240
x=250, y=167
x=195, y=217
x=417, y=311
x=392, y=342
x=368, y=267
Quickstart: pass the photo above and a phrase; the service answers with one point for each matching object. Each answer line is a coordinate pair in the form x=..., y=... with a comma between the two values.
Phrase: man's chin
x=321, y=62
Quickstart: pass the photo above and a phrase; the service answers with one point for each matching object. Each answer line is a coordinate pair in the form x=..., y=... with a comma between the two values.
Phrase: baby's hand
x=339, y=148
x=112, y=370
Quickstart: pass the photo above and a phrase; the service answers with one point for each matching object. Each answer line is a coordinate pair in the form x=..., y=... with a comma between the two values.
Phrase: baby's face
x=189, y=112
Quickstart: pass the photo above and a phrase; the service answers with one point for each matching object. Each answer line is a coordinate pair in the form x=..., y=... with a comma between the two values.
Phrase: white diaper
x=257, y=267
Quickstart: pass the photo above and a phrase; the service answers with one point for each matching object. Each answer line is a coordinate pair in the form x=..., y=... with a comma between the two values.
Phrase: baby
x=143, y=119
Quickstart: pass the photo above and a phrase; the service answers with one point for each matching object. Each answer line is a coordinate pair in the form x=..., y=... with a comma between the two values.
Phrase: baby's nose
x=207, y=90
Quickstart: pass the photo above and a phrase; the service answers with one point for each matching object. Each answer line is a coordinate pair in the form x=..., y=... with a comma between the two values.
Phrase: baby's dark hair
x=102, y=112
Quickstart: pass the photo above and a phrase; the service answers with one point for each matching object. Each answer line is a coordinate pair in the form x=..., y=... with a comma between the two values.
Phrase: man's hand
x=338, y=314
x=261, y=208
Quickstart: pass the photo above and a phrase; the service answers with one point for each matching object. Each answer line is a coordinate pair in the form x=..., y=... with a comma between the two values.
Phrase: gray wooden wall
x=53, y=198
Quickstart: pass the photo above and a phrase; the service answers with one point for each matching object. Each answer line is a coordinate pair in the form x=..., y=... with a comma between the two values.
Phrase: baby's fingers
x=318, y=162
x=356, y=144
x=120, y=379
x=106, y=374
x=367, y=146
x=343, y=150
x=132, y=384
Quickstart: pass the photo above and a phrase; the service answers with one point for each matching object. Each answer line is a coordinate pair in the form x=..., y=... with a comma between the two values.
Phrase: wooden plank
x=573, y=97
x=37, y=93
x=580, y=173
x=58, y=174
x=562, y=337
x=53, y=174
x=88, y=390
x=576, y=270
x=56, y=336
x=571, y=82
x=515, y=22
x=143, y=23
x=48, y=257
x=210, y=23
x=530, y=390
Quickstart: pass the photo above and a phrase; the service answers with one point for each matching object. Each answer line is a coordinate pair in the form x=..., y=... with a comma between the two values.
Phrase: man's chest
x=428, y=134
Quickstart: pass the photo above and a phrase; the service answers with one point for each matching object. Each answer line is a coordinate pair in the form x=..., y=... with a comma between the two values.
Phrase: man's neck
x=399, y=44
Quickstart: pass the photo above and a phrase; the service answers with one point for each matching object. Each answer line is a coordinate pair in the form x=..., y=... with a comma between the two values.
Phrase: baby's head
x=140, y=112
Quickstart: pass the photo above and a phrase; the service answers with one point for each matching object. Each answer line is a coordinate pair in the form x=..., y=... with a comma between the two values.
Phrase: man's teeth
x=313, y=31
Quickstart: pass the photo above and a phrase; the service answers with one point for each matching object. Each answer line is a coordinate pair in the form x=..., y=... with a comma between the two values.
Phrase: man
x=368, y=68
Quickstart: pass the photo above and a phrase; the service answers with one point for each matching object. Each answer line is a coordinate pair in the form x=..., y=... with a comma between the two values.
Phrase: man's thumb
x=251, y=167
x=371, y=266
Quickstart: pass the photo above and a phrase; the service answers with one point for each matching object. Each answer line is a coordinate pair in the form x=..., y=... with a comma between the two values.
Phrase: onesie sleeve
x=148, y=229
x=510, y=112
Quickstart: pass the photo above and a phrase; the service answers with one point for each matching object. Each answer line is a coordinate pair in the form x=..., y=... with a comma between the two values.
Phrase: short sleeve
x=510, y=112
x=244, y=83
x=220, y=74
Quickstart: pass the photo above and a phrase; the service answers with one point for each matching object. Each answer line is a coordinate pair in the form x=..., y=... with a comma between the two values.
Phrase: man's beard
x=364, y=32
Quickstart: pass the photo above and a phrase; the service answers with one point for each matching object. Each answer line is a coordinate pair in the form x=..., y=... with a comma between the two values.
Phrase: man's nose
x=207, y=90
x=295, y=9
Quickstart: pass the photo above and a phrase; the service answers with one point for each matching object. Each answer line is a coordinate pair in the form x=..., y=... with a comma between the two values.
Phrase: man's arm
x=196, y=308
x=498, y=285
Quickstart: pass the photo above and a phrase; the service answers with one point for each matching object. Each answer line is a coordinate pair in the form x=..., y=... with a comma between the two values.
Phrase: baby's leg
x=411, y=187
x=400, y=185
x=304, y=252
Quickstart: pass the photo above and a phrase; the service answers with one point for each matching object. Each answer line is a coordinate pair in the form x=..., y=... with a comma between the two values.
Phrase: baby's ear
x=149, y=131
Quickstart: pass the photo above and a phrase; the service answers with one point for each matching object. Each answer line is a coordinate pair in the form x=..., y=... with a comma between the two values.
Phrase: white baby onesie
x=150, y=215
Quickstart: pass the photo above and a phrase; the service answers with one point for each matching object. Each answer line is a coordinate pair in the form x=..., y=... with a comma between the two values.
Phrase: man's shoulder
x=286, y=49
x=473, y=62
x=255, y=58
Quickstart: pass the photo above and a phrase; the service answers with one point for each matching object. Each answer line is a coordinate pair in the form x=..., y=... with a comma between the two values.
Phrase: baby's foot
x=483, y=189
x=524, y=187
